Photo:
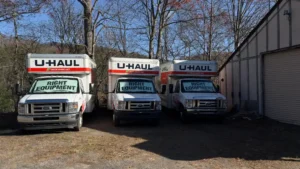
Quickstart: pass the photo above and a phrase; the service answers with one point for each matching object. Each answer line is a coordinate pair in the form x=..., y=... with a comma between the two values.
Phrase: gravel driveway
x=235, y=144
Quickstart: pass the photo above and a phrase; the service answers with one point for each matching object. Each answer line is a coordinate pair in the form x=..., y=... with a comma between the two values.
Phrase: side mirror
x=171, y=88
x=163, y=89
x=91, y=88
x=17, y=89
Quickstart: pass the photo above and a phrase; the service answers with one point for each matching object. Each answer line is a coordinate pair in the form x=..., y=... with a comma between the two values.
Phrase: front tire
x=116, y=120
x=183, y=116
x=79, y=122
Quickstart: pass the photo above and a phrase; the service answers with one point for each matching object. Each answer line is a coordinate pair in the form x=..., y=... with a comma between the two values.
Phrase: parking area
x=202, y=144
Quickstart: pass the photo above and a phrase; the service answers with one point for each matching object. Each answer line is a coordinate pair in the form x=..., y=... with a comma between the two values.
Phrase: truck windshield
x=197, y=86
x=54, y=85
x=135, y=86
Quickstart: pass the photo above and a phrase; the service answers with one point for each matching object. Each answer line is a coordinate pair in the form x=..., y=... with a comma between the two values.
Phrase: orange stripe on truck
x=71, y=69
x=116, y=71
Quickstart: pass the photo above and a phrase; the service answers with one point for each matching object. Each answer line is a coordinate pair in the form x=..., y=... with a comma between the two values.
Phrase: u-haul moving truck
x=186, y=87
x=132, y=93
x=61, y=93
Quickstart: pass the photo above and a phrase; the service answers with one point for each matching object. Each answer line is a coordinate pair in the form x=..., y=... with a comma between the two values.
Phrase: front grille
x=41, y=108
x=140, y=105
x=206, y=103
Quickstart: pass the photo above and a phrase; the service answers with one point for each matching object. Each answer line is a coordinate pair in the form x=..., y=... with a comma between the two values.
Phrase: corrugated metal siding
x=284, y=28
x=282, y=92
x=276, y=34
x=229, y=84
x=262, y=39
x=236, y=83
x=272, y=32
x=222, y=83
x=244, y=81
x=252, y=79
x=295, y=22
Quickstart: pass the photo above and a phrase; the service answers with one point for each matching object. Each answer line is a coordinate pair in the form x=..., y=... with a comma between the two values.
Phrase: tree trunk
x=88, y=28
x=151, y=40
x=210, y=31
x=16, y=67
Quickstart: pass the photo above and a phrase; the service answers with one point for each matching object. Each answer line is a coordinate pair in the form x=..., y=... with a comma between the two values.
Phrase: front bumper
x=137, y=115
x=206, y=112
x=48, y=121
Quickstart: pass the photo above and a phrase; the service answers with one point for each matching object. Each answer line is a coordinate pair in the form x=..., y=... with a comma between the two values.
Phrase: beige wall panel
x=236, y=82
x=252, y=46
x=260, y=87
x=295, y=22
x=262, y=40
x=244, y=80
x=244, y=51
x=273, y=34
x=252, y=79
x=284, y=26
x=229, y=84
x=222, y=83
x=235, y=57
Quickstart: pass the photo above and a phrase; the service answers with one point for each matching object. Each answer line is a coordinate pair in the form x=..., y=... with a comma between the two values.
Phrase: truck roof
x=193, y=62
x=195, y=79
x=59, y=64
x=133, y=66
x=125, y=78
x=36, y=55
x=46, y=77
x=188, y=68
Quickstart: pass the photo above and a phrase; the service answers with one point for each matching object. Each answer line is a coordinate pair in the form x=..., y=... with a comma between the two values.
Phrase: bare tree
x=12, y=9
x=65, y=28
x=243, y=15
x=94, y=19
x=158, y=15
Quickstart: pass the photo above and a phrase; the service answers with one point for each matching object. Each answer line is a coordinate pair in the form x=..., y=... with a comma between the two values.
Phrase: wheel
x=79, y=123
x=116, y=121
x=183, y=117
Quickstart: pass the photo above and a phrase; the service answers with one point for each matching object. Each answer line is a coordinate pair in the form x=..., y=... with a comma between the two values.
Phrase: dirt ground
x=236, y=144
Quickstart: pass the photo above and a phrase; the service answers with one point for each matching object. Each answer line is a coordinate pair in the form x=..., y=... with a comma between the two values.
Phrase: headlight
x=73, y=107
x=121, y=105
x=188, y=103
x=21, y=108
x=157, y=105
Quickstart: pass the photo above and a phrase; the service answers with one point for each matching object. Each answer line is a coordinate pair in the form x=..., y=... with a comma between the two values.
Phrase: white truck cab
x=186, y=87
x=61, y=92
x=132, y=93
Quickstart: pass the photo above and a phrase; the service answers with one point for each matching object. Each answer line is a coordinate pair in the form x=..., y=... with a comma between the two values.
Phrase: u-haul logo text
x=134, y=66
x=194, y=67
x=55, y=63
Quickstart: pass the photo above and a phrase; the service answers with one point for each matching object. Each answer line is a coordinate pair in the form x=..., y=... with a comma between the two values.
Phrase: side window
x=177, y=87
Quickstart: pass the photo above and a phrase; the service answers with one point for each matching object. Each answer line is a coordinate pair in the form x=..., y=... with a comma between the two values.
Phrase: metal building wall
x=243, y=70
